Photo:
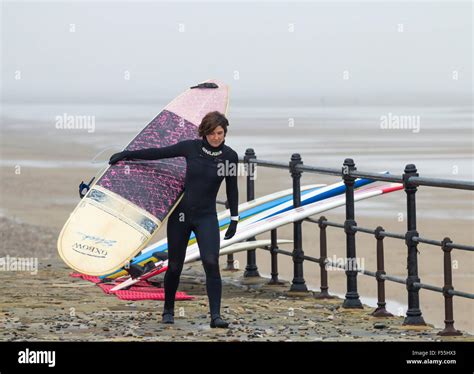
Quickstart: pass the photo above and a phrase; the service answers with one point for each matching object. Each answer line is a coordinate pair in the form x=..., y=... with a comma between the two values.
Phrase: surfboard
x=129, y=202
x=308, y=197
x=275, y=221
x=246, y=211
x=303, y=212
x=237, y=247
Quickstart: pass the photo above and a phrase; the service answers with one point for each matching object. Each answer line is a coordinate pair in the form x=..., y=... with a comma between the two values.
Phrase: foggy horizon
x=282, y=53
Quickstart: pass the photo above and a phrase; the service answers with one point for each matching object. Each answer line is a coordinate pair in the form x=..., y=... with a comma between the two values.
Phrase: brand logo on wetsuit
x=211, y=153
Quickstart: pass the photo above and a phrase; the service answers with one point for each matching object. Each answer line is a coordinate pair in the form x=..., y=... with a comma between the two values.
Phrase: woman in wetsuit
x=208, y=162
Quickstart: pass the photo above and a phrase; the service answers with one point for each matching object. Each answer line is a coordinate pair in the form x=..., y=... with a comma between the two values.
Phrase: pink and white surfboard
x=129, y=201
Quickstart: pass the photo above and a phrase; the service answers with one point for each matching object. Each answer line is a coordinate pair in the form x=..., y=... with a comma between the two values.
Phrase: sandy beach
x=42, y=167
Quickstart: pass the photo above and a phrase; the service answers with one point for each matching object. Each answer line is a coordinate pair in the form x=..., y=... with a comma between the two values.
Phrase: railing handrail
x=415, y=180
x=396, y=236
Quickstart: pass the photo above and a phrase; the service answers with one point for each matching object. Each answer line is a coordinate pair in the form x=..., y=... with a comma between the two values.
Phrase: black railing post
x=352, y=297
x=323, y=253
x=449, y=329
x=380, y=311
x=298, y=283
x=251, y=269
x=413, y=316
x=274, y=258
x=230, y=263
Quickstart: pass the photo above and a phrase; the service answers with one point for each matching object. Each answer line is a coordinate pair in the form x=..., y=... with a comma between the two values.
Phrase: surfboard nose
x=194, y=104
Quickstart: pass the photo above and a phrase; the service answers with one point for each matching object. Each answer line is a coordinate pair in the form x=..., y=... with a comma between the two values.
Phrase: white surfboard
x=293, y=215
x=234, y=248
x=246, y=211
x=311, y=196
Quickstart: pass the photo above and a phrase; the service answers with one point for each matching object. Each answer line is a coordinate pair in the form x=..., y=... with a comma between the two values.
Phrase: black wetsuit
x=197, y=210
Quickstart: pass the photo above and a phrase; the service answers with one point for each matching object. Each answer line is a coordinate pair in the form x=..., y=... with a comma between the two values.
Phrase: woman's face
x=216, y=137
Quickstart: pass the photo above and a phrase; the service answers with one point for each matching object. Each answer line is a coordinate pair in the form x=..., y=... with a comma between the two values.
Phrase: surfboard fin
x=149, y=266
x=160, y=256
x=135, y=270
x=205, y=85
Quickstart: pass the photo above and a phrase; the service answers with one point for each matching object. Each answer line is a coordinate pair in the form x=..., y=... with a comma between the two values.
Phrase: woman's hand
x=116, y=157
x=231, y=230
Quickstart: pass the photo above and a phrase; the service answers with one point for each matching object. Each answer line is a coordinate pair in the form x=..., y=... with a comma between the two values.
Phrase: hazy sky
x=280, y=52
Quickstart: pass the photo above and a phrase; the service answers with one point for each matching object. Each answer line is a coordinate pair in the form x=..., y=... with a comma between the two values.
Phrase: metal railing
x=410, y=180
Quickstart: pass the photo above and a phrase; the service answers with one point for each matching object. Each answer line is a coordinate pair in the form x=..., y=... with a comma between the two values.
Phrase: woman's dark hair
x=210, y=121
